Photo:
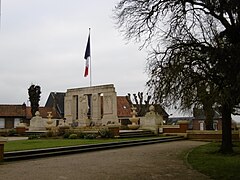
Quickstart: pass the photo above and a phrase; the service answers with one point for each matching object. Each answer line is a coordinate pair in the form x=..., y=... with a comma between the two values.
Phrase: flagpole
x=0, y=14
x=90, y=64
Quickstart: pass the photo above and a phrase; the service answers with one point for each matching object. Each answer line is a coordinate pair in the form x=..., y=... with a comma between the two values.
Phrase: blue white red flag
x=87, y=57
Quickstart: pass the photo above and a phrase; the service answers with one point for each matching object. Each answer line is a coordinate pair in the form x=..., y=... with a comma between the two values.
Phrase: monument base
x=37, y=123
x=155, y=129
x=110, y=120
x=133, y=126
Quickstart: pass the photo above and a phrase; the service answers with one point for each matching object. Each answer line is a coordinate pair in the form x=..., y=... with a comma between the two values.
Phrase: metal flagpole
x=0, y=14
x=90, y=60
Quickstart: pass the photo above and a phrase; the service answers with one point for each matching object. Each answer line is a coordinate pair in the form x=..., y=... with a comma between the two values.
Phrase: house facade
x=198, y=121
x=12, y=115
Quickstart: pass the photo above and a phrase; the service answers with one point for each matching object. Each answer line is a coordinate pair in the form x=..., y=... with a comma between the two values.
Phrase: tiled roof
x=161, y=111
x=25, y=112
x=12, y=110
x=56, y=99
x=123, y=107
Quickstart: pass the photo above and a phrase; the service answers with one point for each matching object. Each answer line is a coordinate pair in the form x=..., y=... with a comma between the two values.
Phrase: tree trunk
x=209, y=114
x=226, y=146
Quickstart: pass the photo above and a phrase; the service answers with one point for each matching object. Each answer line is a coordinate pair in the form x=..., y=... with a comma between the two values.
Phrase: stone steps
x=135, y=133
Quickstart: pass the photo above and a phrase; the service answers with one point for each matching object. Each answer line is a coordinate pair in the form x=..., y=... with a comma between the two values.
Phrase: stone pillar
x=96, y=108
x=2, y=149
x=20, y=129
x=183, y=124
x=2, y=141
x=110, y=108
x=74, y=107
x=68, y=108
x=82, y=111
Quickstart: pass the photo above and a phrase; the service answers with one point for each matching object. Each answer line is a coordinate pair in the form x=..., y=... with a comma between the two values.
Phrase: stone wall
x=182, y=127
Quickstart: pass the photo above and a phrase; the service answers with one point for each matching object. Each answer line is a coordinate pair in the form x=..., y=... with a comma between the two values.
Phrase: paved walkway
x=15, y=138
x=156, y=161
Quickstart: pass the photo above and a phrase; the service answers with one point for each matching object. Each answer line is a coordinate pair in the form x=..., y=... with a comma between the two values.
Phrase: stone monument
x=37, y=123
x=152, y=120
x=96, y=105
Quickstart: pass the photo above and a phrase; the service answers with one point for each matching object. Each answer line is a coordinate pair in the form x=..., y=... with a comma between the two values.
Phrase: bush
x=90, y=136
x=11, y=132
x=50, y=134
x=72, y=136
x=66, y=135
x=80, y=135
x=105, y=133
x=34, y=136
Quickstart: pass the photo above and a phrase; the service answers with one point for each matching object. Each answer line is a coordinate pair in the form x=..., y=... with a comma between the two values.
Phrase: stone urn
x=49, y=121
x=134, y=120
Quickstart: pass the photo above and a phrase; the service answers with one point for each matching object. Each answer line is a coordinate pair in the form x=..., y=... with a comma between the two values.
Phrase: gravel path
x=156, y=161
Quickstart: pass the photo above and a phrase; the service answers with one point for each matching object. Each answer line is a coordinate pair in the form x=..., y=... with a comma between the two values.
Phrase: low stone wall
x=210, y=135
x=171, y=128
x=182, y=127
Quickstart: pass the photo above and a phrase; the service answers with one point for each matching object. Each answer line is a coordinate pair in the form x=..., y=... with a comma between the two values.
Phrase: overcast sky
x=43, y=42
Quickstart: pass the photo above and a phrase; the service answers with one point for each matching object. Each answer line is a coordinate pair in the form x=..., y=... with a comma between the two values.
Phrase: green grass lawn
x=49, y=143
x=207, y=160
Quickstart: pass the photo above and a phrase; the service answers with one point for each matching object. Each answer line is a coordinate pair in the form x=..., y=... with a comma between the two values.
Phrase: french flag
x=87, y=57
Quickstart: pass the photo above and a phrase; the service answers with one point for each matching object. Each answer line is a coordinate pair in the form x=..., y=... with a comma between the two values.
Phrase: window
x=2, y=123
x=16, y=122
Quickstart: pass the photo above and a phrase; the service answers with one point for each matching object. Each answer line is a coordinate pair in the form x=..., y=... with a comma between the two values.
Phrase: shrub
x=50, y=134
x=34, y=136
x=11, y=132
x=73, y=136
x=105, y=133
x=80, y=135
x=66, y=135
x=90, y=136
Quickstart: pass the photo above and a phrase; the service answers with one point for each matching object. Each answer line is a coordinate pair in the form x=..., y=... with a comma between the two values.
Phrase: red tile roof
x=12, y=110
x=25, y=112
x=123, y=107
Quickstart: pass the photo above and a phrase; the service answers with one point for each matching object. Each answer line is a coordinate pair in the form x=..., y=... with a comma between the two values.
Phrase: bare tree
x=195, y=54
x=142, y=108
